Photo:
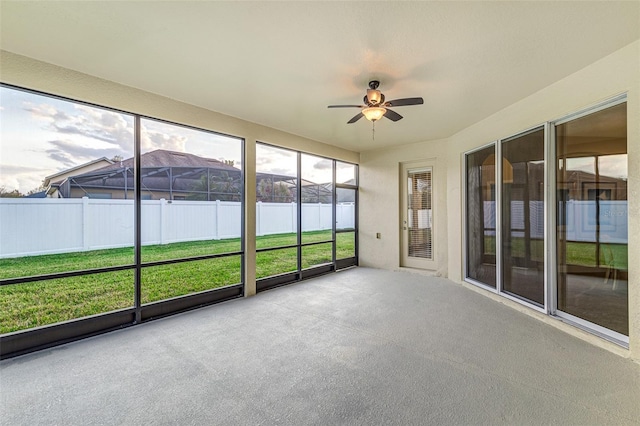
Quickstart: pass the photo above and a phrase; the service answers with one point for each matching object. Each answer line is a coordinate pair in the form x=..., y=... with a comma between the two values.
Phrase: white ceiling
x=281, y=63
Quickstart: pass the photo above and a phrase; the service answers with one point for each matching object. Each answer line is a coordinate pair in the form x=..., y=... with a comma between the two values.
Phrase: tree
x=4, y=193
x=270, y=191
x=225, y=187
x=221, y=187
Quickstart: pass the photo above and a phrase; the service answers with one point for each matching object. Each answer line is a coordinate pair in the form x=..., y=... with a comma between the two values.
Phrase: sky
x=609, y=165
x=41, y=135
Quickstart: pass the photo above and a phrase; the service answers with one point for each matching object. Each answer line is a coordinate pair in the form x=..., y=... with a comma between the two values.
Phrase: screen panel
x=317, y=198
x=53, y=169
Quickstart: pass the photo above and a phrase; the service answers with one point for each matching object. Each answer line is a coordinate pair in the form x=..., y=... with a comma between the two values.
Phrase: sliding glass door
x=591, y=185
x=316, y=189
x=276, y=211
x=557, y=241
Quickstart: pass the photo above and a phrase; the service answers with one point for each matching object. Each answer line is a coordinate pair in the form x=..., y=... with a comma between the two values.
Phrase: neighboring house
x=53, y=182
x=580, y=185
x=177, y=176
x=164, y=174
x=40, y=194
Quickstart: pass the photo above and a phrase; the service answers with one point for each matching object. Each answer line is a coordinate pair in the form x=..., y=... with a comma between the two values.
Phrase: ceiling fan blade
x=404, y=102
x=356, y=118
x=392, y=115
x=345, y=106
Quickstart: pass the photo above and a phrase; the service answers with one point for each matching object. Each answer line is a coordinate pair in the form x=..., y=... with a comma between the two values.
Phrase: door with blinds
x=417, y=218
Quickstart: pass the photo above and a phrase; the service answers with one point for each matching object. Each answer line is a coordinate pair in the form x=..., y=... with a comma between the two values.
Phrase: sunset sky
x=41, y=135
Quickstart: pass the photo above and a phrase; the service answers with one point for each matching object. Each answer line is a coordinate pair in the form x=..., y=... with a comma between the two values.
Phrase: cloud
x=89, y=132
x=12, y=169
x=83, y=124
x=283, y=171
x=61, y=157
x=87, y=122
x=45, y=112
x=323, y=165
x=70, y=154
x=275, y=160
x=613, y=165
x=152, y=140
x=22, y=178
x=263, y=161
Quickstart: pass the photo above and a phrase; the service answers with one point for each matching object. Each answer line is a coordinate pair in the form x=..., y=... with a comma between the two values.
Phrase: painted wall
x=614, y=74
x=380, y=186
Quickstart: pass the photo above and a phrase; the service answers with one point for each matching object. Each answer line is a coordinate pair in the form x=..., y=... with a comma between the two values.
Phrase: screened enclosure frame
x=550, y=249
x=41, y=337
x=335, y=264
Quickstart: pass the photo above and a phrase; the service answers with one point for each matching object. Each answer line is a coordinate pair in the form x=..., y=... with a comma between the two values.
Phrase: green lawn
x=582, y=254
x=39, y=303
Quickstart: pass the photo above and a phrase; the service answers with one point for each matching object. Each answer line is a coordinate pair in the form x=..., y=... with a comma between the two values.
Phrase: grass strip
x=38, y=303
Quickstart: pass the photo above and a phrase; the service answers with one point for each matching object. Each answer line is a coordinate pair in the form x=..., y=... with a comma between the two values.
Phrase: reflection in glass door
x=523, y=216
x=591, y=184
x=481, y=216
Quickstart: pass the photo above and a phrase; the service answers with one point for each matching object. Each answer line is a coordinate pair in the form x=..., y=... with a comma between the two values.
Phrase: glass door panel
x=419, y=213
x=345, y=208
x=346, y=174
x=591, y=184
x=345, y=245
x=481, y=216
x=523, y=216
x=317, y=254
x=276, y=195
x=317, y=198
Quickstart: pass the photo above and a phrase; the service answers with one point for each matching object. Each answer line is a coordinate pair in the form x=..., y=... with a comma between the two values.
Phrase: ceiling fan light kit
x=374, y=113
x=375, y=107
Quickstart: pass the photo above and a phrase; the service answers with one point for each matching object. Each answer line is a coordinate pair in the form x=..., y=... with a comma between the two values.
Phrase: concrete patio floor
x=359, y=347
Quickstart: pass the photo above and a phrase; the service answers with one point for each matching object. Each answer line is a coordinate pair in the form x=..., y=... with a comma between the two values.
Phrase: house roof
x=157, y=167
x=53, y=176
x=165, y=158
x=280, y=64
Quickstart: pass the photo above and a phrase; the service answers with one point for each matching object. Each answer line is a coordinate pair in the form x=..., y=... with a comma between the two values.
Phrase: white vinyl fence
x=579, y=217
x=47, y=225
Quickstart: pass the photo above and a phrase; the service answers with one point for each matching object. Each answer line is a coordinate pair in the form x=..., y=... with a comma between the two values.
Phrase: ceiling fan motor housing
x=374, y=97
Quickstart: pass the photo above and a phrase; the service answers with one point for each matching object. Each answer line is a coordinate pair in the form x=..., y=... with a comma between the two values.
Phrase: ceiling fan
x=375, y=107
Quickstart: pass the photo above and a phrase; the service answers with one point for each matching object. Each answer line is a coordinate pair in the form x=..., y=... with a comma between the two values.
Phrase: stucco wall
x=380, y=205
x=614, y=74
